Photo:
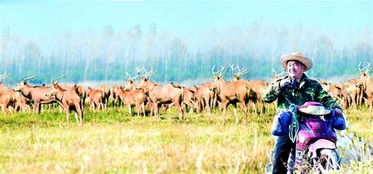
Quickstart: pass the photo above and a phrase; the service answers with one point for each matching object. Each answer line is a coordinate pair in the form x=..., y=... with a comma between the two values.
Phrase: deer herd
x=146, y=95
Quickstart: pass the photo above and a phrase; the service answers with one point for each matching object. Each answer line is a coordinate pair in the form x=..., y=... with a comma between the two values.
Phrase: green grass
x=113, y=142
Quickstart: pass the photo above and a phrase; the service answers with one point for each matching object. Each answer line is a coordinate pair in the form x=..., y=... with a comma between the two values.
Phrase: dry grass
x=110, y=142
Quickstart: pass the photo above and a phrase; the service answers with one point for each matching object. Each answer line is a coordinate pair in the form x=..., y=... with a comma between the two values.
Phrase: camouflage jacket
x=306, y=90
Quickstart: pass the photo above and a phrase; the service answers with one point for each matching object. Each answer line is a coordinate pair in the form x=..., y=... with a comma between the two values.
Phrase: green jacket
x=307, y=90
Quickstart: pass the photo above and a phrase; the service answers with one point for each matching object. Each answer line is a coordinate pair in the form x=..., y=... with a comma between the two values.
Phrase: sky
x=37, y=17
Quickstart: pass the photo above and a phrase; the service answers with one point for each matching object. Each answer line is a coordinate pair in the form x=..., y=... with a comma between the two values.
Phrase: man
x=296, y=88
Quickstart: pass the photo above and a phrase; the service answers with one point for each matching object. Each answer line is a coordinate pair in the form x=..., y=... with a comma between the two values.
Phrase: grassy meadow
x=111, y=141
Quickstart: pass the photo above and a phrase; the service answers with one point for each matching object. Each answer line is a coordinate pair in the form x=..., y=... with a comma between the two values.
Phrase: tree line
x=108, y=54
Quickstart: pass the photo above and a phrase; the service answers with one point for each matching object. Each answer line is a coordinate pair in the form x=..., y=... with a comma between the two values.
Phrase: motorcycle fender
x=321, y=144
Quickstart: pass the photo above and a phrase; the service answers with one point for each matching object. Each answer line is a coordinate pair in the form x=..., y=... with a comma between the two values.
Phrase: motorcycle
x=311, y=127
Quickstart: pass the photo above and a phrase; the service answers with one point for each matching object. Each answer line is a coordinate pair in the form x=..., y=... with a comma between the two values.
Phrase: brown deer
x=339, y=92
x=367, y=83
x=206, y=96
x=189, y=98
x=7, y=96
x=145, y=84
x=70, y=99
x=135, y=98
x=233, y=92
x=36, y=94
x=161, y=94
x=3, y=77
x=106, y=90
x=114, y=95
x=7, y=99
x=96, y=98
x=258, y=87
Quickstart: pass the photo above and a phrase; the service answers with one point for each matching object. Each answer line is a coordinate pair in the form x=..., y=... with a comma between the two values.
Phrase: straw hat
x=298, y=56
x=314, y=108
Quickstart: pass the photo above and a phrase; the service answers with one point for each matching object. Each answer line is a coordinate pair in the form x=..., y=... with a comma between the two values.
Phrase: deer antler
x=139, y=69
x=131, y=78
x=368, y=68
x=150, y=73
x=4, y=76
x=358, y=67
x=364, y=69
x=212, y=70
x=222, y=71
x=27, y=78
x=241, y=72
x=233, y=68
x=53, y=80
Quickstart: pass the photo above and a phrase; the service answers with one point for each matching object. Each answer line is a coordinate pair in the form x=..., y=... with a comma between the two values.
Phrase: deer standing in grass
x=135, y=98
x=36, y=94
x=96, y=98
x=233, y=92
x=70, y=99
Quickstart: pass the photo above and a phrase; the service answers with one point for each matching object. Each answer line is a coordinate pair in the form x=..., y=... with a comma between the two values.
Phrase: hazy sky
x=37, y=17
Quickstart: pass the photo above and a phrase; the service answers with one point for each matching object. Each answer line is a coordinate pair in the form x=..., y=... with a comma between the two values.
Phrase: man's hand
x=284, y=82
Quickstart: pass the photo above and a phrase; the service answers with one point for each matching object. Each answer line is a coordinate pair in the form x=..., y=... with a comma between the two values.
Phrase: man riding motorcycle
x=296, y=88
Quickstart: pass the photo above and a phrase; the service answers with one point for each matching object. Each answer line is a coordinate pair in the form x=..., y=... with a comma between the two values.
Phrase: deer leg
x=202, y=104
x=198, y=106
x=76, y=117
x=235, y=113
x=129, y=109
x=79, y=112
x=137, y=109
x=156, y=110
x=244, y=108
x=179, y=107
x=208, y=105
x=37, y=107
x=91, y=105
x=4, y=109
x=224, y=106
x=143, y=108
x=67, y=111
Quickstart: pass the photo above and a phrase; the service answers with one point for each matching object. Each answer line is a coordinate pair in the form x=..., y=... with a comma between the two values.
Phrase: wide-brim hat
x=314, y=108
x=298, y=56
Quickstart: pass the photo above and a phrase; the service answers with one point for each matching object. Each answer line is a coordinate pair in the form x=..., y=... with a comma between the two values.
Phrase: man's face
x=295, y=69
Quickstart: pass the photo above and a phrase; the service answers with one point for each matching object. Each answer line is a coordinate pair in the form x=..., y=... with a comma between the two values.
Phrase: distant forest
x=108, y=54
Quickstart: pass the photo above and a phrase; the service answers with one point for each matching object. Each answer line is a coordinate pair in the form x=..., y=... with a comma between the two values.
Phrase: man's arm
x=272, y=92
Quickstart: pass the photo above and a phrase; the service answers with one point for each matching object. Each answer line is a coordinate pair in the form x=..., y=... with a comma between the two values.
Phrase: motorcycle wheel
x=329, y=160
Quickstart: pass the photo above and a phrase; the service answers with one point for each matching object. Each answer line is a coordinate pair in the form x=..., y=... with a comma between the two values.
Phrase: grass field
x=113, y=142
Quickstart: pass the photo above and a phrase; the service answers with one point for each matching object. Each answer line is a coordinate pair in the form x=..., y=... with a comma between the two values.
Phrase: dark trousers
x=282, y=150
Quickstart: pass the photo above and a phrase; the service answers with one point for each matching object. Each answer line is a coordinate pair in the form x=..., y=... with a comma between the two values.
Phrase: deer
x=106, y=90
x=367, y=83
x=144, y=83
x=339, y=92
x=7, y=96
x=3, y=77
x=257, y=87
x=233, y=92
x=136, y=98
x=162, y=94
x=206, y=96
x=36, y=94
x=70, y=99
x=96, y=98
x=189, y=98
x=114, y=95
